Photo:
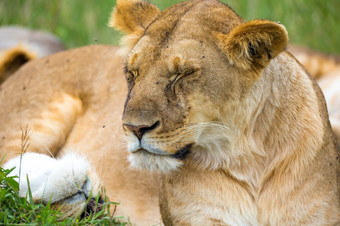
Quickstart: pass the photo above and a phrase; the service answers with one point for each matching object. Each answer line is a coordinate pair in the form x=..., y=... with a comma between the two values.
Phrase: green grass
x=311, y=23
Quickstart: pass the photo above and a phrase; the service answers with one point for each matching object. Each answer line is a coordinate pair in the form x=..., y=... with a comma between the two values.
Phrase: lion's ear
x=12, y=59
x=253, y=44
x=133, y=16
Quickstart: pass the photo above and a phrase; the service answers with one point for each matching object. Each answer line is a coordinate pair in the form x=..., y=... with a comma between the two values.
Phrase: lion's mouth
x=181, y=154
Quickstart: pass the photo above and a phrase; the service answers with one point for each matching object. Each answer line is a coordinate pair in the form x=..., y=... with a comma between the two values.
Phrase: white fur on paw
x=64, y=180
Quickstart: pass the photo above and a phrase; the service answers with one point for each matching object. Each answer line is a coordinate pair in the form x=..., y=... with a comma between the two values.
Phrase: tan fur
x=235, y=145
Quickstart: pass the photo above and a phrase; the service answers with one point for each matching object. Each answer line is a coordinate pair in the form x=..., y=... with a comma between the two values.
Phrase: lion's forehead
x=183, y=30
x=195, y=17
x=186, y=52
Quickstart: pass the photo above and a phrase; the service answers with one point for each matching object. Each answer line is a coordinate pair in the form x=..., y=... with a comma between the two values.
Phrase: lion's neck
x=277, y=142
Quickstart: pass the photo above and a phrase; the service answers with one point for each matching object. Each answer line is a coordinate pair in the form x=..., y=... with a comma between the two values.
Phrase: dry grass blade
x=25, y=136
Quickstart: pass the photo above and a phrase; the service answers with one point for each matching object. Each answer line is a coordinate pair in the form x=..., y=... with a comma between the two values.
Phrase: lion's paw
x=67, y=182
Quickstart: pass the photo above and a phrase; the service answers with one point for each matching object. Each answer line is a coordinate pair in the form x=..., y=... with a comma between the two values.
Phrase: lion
x=224, y=125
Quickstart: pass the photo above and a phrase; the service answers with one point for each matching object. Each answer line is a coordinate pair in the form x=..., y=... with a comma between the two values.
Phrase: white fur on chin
x=152, y=162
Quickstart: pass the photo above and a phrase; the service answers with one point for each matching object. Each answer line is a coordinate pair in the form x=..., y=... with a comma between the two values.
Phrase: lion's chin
x=145, y=160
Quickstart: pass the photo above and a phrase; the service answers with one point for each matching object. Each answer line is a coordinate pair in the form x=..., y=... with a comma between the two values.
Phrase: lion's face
x=185, y=91
x=173, y=99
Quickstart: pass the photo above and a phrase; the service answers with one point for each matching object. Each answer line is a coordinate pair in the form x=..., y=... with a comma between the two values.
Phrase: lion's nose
x=140, y=130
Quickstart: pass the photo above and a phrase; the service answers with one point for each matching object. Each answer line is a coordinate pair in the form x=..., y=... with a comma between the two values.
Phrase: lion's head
x=190, y=71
